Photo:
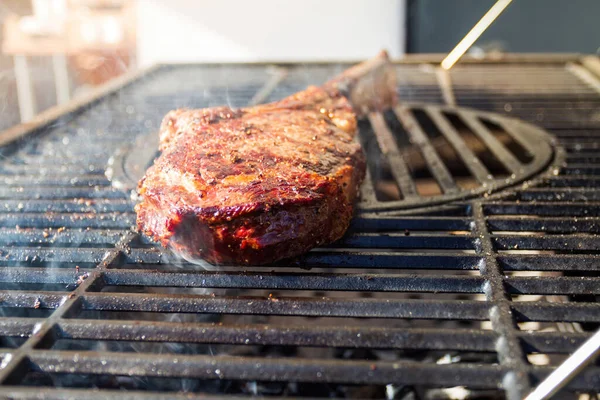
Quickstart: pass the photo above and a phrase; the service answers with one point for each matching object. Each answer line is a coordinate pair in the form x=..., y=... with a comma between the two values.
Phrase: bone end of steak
x=263, y=183
x=370, y=86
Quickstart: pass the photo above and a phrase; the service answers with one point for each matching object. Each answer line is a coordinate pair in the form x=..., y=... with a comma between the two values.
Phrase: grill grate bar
x=54, y=238
x=410, y=223
x=530, y=145
x=582, y=169
x=367, y=191
x=67, y=206
x=349, y=259
x=392, y=241
x=260, y=334
x=389, y=149
x=560, y=194
x=309, y=335
x=557, y=312
x=575, y=242
x=58, y=193
x=473, y=163
x=37, y=299
x=581, y=158
x=90, y=170
x=297, y=281
x=21, y=327
x=552, y=342
x=579, y=146
x=41, y=275
x=575, y=181
x=77, y=180
x=55, y=255
x=20, y=392
x=585, y=380
x=494, y=145
x=510, y=352
x=432, y=158
x=550, y=262
x=264, y=369
x=553, y=285
x=325, y=307
x=541, y=208
x=548, y=224
x=72, y=220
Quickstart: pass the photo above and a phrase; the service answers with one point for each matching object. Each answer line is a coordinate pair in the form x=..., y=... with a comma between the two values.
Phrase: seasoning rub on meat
x=264, y=183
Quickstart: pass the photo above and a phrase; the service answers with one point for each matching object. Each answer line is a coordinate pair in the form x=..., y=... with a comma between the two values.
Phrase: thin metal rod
x=277, y=76
x=445, y=84
x=25, y=91
x=585, y=75
x=480, y=27
x=61, y=78
x=568, y=369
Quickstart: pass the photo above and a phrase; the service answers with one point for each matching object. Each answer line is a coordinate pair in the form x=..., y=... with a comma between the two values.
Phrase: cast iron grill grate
x=487, y=294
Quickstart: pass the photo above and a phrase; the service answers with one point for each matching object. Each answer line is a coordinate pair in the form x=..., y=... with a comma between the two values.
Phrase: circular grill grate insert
x=420, y=155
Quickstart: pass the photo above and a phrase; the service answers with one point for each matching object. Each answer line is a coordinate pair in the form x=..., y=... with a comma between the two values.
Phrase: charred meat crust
x=258, y=237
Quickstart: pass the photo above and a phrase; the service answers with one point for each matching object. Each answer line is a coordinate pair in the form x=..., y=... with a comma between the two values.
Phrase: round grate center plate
x=420, y=155
x=417, y=155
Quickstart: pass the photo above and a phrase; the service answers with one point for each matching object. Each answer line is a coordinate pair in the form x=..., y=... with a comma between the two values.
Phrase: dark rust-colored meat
x=263, y=183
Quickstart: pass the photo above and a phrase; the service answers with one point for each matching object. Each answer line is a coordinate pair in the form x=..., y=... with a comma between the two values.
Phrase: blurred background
x=55, y=50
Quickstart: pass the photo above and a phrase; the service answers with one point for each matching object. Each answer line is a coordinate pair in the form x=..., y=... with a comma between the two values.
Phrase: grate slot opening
x=547, y=359
x=465, y=322
x=446, y=151
x=508, y=141
x=247, y=388
x=122, y=382
x=11, y=342
x=481, y=151
x=386, y=187
x=43, y=264
x=23, y=312
x=212, y=349
x=330, y=267
x=422, y=355
x=556, y=312
x=537, y=298
x=548, y=252
x=49, y=287
x=462, y=290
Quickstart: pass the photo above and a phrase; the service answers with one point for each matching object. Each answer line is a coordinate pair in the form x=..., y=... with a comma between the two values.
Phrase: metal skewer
x=470, y=38
x=568, y=369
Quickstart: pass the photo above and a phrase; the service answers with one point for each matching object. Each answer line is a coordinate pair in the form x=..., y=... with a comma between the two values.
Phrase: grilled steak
x=260, y=184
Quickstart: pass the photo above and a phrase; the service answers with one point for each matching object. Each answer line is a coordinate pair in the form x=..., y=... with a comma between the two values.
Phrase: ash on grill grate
x=480, y=296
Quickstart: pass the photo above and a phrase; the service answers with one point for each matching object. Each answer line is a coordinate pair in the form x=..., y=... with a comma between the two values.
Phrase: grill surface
x=489, y=294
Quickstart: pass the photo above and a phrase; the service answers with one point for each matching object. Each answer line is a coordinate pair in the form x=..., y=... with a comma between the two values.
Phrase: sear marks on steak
x=259, y=184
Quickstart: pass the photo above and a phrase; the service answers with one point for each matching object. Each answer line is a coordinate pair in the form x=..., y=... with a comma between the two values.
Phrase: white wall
x=271, y=30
